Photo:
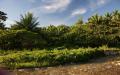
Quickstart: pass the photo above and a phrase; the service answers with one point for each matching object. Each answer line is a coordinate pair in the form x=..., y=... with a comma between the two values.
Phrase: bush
x=20, y=39
x=49, y=58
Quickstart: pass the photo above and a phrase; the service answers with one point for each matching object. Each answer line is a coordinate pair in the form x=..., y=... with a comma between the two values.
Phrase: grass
x=43, y=58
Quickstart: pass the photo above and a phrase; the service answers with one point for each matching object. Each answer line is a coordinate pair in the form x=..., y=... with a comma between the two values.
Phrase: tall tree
x=27, y=21
x=2, y=19
x=116, y=18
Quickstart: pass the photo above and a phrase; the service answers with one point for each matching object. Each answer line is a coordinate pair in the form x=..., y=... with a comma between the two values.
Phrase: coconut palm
x=116, y=18
x=28, y=22
x=107, y=19
x=95, y=20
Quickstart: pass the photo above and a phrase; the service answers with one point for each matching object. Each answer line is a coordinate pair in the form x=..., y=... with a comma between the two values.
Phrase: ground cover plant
x=44, y=58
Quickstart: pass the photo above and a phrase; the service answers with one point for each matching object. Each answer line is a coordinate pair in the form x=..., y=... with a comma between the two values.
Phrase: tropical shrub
x=20, y=39
x=40, y=58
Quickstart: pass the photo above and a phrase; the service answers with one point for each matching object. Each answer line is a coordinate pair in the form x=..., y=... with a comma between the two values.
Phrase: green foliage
x=28, y=22
x=99, y=30
x=40, y=58
x=2, y=19
x=79, y=23
x=20, y=39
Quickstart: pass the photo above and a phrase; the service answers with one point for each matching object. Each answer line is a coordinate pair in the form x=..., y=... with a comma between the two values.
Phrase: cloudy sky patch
x=56, y=11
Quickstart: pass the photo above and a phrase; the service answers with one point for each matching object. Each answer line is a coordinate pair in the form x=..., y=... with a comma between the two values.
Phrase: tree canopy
x=97, y=31
x=27, y=21
x=2, y=19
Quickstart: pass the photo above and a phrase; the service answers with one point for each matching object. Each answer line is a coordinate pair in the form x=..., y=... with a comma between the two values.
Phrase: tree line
x=25, y=34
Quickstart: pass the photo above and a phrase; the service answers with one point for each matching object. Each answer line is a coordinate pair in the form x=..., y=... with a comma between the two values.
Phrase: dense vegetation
x=13, y=59
x=41, y=58
x=56, y=45
x=25, y=34
x=2, y=19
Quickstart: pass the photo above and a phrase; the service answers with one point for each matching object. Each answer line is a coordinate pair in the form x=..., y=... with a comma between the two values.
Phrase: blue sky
x=57, y=12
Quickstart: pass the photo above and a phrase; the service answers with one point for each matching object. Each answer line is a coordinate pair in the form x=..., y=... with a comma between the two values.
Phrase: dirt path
x=102, y=66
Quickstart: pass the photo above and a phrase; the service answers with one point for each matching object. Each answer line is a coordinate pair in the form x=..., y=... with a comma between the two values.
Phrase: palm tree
x=95, y=20
x=116, y=18
x=107, y=19
x=28, y=22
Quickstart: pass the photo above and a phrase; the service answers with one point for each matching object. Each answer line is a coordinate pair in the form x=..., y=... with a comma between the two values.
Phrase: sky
x=56, y=12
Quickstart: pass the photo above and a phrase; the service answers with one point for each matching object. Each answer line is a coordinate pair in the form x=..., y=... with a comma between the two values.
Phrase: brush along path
x=45, y=58
x=103, y=66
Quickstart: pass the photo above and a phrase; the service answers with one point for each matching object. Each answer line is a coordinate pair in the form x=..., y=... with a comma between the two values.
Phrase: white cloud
x=57, y=5
x=36, y=11
x=9, y=22
x=52, y=6
x=94, y=4
x=79, y=12
x=101, y=2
